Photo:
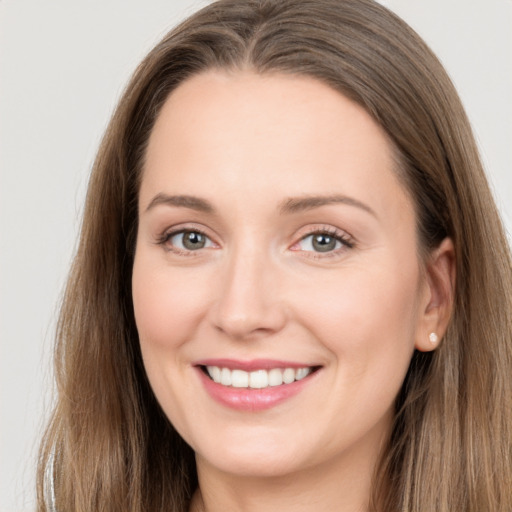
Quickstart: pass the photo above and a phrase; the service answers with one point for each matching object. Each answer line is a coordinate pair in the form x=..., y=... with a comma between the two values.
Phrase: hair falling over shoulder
x=109, y=447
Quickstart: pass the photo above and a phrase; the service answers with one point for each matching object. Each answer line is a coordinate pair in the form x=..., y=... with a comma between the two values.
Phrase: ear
x=437, y=300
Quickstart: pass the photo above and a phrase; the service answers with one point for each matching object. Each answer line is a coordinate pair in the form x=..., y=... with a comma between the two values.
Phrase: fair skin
x=237, y=267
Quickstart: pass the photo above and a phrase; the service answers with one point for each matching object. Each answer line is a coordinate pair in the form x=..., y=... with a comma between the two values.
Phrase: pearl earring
x=433, y=338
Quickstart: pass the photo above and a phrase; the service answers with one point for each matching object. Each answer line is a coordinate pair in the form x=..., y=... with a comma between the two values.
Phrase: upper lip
x=253, y=364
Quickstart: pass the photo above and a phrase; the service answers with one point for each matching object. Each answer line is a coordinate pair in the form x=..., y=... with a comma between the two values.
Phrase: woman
x=292, y=288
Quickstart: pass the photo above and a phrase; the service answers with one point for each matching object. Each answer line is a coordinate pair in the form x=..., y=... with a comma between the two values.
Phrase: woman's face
x=277, y=289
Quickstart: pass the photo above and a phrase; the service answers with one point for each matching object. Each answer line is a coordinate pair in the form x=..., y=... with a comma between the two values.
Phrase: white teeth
x=275, y=377
x=215, y=373
x=257, y=379
x=239, y=379
x=302, y=372
x=225, y=377
x=288, y=375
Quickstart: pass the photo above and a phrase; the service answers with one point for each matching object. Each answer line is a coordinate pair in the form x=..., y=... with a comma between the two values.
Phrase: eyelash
x=166, y=236
x=346, y=241
x=340, y=236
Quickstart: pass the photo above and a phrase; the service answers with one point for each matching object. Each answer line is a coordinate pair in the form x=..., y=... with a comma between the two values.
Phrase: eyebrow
x=183, y=201
x=288, y=206
x=299, y=204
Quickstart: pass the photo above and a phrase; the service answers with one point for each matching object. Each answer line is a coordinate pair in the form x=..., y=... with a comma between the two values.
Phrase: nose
x=249, y=302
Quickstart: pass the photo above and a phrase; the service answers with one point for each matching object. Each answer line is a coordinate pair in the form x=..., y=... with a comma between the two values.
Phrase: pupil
x=324, y=243
x=193, y=240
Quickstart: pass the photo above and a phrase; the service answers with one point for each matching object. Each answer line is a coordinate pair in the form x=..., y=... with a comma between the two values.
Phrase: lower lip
x=247, y=399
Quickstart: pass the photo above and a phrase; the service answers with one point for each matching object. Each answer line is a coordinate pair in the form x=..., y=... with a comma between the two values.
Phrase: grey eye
x=190, y=240
x=320, y=242
x=324, y=243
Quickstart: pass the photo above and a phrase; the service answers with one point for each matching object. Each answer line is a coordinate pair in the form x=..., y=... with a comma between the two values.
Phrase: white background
x=63, y=65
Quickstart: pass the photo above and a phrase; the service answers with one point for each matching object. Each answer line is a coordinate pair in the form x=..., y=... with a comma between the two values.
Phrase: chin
x=256, y=465
x=248, y=454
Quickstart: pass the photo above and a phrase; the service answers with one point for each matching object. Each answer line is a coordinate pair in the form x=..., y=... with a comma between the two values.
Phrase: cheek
x=168, y=305
x=363, y=301
x=367, y=320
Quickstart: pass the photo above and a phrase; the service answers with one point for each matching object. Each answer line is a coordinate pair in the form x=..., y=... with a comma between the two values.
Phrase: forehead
x=238, y=132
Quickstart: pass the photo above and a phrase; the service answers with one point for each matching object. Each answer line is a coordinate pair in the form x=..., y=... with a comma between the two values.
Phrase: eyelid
x=165, y=236
x=342, y=236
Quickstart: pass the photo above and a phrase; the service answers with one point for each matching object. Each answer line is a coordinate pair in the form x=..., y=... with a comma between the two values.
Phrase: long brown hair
x=110, y=447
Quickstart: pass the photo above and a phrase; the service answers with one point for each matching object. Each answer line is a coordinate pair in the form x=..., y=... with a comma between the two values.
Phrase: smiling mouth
x=257, y=379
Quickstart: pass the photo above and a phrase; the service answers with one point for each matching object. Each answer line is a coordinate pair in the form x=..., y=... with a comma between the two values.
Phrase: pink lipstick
x=253, y=385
